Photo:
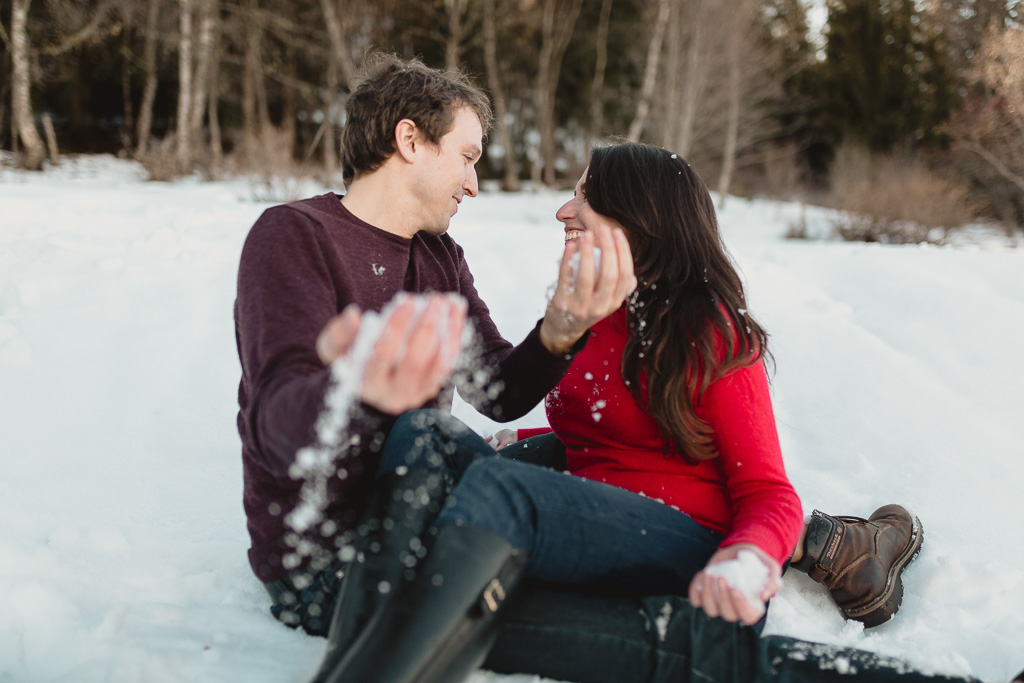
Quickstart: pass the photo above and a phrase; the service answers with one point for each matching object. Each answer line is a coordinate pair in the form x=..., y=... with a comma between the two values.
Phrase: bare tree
x=600, y=67
x=740, y=26
x=1002, y=70
x=558, y=21
x=128, y=16
x=21, y=101
x=5, y=88
x=336, y=33
x=183, y=141
x=693, y=28
x=329, y=139
x=202, y=68
x=149, y=61
x=732, y=118
x=643, y=106
x=79, y=23
x=213, y=100
x=510, y=173
x=255, y=109
x=456, y=10
x=289, y=98
x=988, y=131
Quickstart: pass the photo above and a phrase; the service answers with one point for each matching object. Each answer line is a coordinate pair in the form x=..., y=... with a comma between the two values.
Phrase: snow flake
x=664, y=616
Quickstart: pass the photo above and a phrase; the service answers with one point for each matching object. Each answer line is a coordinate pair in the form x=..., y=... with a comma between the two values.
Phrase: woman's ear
x=407, y=139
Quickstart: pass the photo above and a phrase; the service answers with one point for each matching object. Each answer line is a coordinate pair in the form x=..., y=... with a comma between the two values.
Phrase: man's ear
x=407, y=139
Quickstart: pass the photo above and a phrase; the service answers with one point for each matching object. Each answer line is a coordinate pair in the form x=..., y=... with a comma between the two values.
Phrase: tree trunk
x=510, y=175
x=289, y=104
x=183, y=150
x=456, y=11
x=732, y=123
x=51, y=139
x=650, y=71
x=695, y=75
x=255, y=116
x=673, y=88
x=330, y=141
x=126, y=84
x=553, y=45
x=3, y=117
x=337, y=36
x=21, y=100
x=204, y=57
x=149, y=91
x=213, y=116
x=600, y=66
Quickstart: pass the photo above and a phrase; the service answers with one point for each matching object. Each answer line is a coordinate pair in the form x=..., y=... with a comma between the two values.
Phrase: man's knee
x=417, y=421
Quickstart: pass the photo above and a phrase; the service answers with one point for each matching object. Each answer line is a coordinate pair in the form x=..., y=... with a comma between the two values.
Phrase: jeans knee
x=414, y=441
x=420, y=421
x=493, y=495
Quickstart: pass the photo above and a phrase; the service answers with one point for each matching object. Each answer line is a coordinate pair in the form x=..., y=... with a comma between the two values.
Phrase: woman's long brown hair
x=689, y=294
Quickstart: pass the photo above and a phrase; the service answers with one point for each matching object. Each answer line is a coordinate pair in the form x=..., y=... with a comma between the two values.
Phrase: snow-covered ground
x=122, y=538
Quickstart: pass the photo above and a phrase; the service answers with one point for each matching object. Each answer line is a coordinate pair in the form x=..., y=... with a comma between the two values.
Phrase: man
x=412, y=139
x=411, y=142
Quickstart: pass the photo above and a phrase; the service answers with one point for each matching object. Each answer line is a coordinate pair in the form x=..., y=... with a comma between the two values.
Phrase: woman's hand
x=581, y=299
x=502, y=438
x=718, y=599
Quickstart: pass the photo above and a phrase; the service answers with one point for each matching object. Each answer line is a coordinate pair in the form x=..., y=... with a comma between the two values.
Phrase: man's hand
x=338, y=334
x=415, y=354
x=582, y=299
x=502, y=438
x=718, y=599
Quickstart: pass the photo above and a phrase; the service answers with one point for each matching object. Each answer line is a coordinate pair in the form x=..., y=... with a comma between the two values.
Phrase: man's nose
x=471, y=186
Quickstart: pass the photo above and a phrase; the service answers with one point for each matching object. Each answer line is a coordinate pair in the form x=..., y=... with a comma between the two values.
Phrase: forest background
x=909, y=114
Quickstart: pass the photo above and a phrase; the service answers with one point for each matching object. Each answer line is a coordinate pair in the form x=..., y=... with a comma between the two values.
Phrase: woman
x=682, y=410
x=666, y=422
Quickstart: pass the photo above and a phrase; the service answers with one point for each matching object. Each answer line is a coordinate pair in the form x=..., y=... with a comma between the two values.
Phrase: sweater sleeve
x=286, y=294
x=530, y=432
x=766, y=509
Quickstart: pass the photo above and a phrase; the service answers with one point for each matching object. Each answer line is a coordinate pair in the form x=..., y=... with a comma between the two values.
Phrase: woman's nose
x=568, y=210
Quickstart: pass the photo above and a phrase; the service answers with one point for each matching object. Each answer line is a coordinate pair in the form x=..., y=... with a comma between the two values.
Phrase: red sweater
x=744, y=493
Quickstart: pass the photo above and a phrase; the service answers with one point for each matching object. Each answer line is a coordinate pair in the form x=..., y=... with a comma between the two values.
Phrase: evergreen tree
x=884, y=76
x=801, y=112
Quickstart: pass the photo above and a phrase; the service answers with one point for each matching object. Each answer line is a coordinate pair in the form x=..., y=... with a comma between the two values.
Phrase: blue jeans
x=590, y=635
x=574, y=531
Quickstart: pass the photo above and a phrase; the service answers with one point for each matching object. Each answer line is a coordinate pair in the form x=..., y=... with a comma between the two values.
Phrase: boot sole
x=886, y=605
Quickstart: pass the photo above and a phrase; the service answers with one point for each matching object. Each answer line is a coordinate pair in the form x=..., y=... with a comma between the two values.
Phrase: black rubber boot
x=438, y=627
x=388, y=546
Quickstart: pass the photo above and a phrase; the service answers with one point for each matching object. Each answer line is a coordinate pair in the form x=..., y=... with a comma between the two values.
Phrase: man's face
x=449, y=172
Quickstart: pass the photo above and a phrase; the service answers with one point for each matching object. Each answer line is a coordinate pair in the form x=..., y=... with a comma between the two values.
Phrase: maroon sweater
x=302, y=263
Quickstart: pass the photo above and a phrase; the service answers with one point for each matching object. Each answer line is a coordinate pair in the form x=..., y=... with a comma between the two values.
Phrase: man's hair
x=389, y=89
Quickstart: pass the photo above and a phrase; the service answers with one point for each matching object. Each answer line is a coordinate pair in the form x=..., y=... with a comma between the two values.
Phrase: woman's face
x=578, y=216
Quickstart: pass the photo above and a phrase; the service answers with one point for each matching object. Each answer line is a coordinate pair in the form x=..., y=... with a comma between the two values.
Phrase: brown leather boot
x=860, y=560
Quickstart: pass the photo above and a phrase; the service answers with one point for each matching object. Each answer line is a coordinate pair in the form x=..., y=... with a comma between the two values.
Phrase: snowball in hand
x=574, y=263
x=347, y=370
x=747, y=573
